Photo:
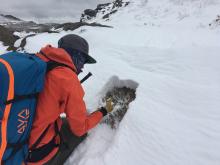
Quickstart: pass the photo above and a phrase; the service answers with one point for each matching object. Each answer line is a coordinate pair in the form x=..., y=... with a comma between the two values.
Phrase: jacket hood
x=59, y=55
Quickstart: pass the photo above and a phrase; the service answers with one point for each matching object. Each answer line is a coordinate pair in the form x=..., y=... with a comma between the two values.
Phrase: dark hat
x=75, y=42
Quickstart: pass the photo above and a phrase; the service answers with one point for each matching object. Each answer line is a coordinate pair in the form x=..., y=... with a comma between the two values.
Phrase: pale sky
x=27, y=9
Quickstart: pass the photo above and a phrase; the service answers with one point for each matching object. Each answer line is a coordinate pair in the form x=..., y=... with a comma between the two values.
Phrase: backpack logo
x=23, y=117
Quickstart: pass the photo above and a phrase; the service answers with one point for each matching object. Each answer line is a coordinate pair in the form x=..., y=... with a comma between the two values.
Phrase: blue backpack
x=21, y=80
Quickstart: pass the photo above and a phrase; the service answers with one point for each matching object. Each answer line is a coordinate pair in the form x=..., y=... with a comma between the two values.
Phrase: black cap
x=78, y=43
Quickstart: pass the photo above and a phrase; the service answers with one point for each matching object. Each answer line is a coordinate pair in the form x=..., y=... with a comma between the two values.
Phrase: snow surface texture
x=167, y=50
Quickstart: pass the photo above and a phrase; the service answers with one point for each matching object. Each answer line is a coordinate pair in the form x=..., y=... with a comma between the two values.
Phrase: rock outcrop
x=7, y=37
x=104, y=10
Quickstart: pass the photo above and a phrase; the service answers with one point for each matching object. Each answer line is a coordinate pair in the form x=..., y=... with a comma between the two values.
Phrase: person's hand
x=109, y=105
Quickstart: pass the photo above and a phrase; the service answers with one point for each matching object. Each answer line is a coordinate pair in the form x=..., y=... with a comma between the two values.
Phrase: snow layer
x=167, y=50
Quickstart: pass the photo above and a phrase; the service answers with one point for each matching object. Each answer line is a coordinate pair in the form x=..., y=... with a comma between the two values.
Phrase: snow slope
x=166, y=50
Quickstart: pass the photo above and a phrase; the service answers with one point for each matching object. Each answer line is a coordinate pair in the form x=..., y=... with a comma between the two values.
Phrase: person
x=52, y=138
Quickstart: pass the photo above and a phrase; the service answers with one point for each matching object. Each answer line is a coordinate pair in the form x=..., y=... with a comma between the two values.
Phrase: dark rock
x=215, y=23
x=102, y=6
x=218, y=18
x=127, y=3
x=24, y=41
x=90, y=12
x=76, y=25
x=107, y=9
x=117, y=4
x=70, y=25
x=99, y=25
x=107, y=15
x=112, y=12
x=8, y=38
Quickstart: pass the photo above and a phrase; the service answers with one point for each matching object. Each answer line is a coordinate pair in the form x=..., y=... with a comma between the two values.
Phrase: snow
x=167, y=51
x=2, y=48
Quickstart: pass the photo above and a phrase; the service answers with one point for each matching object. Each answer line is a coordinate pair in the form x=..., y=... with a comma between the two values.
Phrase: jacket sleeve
x=80, y=122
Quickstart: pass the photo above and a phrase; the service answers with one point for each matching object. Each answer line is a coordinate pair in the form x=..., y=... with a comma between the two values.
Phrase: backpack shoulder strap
x=50, y=66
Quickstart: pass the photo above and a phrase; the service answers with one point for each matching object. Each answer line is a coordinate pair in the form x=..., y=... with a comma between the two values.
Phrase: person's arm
x=80, y=122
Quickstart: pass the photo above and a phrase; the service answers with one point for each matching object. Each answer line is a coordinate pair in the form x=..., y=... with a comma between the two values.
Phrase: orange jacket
x=62, y=93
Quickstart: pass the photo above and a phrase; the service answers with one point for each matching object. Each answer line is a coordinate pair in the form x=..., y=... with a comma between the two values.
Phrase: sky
x=54, y=9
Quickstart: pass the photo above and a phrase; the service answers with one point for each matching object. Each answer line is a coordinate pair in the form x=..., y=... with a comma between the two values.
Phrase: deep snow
x=167, y=50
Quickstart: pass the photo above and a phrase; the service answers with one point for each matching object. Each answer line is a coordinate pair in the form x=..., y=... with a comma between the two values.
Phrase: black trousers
x=68, y=143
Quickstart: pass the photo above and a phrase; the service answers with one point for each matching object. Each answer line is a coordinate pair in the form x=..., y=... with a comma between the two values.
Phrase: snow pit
x=121, y=97
x=122, y=92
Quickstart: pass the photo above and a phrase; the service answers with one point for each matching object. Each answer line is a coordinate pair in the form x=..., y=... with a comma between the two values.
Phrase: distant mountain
x=10, y=24
x=8, y=18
